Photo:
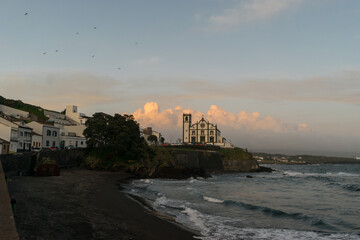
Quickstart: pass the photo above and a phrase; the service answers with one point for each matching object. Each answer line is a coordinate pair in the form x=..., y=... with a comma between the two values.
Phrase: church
x=201, y=132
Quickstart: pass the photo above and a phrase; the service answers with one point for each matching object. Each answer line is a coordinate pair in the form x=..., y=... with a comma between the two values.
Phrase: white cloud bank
x=167, y=119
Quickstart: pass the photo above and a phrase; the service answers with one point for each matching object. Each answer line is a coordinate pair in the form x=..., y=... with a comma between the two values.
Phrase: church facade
x=201, y=132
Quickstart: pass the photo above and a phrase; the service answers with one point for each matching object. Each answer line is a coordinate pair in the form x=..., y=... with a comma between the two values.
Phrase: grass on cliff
x=33, y=110
x=234, y=154
x=107, y=159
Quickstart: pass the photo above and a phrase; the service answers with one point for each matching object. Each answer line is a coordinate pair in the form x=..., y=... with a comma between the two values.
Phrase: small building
x=4, y=146
x=50, y=134
x=13, y=112
x=147, y=132
x=72, y=136
x=72, y=113
x=24, y=139
x=36, y=141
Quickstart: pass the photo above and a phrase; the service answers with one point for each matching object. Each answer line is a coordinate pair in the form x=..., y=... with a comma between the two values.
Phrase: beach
x=84, y=204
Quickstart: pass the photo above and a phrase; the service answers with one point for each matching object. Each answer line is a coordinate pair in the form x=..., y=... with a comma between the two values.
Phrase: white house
x=24, y=138
x=36, y=141
x=72, y=136
x=4, y=146
x=50, y=134
x=72, y=113
x=58, y=118
x=202, y=132
x=18, y=135
x=9, y=111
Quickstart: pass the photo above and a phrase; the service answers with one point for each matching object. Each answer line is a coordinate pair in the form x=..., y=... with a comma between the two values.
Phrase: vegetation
x=45, y=160
x=33, y=110
x=153, y=139
x=234, y=154
x=114, y=141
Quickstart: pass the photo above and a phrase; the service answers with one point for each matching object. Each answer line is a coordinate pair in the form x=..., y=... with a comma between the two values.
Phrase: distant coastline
x=269, y=158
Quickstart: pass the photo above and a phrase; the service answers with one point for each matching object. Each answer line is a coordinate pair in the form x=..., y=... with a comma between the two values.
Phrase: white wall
x=13, y=111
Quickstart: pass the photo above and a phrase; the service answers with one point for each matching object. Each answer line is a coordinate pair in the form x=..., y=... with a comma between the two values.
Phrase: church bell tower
x=186, y=127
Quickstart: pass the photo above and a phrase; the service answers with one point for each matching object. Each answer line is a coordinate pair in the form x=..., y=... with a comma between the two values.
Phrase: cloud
x=56, y=90
x=151, y=60
x=151, y=115
x=247, y=11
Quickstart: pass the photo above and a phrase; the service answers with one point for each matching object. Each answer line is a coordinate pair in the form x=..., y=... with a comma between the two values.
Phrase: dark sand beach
x=83, y=204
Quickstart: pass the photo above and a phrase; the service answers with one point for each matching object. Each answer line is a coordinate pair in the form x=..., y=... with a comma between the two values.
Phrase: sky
x=274, y=75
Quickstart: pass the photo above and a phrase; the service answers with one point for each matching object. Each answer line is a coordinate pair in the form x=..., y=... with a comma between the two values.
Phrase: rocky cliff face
x=241, y=165
x=197, y=163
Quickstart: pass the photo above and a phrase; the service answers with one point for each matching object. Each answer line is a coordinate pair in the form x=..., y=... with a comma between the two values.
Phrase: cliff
x=185, y=163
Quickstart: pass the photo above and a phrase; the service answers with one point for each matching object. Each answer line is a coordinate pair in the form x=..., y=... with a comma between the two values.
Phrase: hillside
x=36, y=112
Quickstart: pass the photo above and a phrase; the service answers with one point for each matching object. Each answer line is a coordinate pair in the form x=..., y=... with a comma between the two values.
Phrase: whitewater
x=294, y=202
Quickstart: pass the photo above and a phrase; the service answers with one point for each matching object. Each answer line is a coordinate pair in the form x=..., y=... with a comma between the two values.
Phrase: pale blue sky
x=295, y=60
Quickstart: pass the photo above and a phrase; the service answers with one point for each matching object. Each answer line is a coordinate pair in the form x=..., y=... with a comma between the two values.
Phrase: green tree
x=162, y=140
x=153, y=139
x=118, y=135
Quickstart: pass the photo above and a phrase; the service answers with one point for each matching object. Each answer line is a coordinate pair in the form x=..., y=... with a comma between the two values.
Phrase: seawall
x=7, y=223
x=24, y=163
x=213, y=161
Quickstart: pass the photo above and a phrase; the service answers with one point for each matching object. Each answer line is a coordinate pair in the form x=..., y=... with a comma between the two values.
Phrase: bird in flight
x=119, y=68
x=94, y=27
x=56, y=50
x=26, y=14
x=93, y=56
x=44, y=53
x=77, y=33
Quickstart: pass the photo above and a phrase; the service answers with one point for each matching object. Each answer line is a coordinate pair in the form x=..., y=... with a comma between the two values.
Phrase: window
x=82, y=143
x=4, y=147
x=186, y=119
x=212, y=139
x=48, y=133
x=193, y=133
x=21, y=133
x=211, y=132
x=47, y=143
x=53, y=143
x=202, y=132
x=54, y=134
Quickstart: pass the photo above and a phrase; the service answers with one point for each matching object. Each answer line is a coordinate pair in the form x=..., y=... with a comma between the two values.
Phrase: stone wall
x=24, y=163
x=7, y=223
x=212, y=161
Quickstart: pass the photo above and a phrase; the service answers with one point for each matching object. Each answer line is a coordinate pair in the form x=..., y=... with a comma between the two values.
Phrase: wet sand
x=83, y=204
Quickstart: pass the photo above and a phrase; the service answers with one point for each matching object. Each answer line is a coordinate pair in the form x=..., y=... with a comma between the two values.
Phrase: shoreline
x=85, y=204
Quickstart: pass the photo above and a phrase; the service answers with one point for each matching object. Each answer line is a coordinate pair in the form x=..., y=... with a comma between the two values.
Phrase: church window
x=186, y=118
x=202, y=132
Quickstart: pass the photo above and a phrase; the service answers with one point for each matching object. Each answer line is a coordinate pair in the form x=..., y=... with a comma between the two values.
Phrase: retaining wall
x=7, y=223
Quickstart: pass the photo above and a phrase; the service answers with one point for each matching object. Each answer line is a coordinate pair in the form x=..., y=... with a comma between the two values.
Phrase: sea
x=293, y=202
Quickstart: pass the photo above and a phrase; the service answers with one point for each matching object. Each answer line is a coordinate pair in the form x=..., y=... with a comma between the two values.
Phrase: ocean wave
x=164, y=202
x=145, y=180
x=212, y=200
x=352, y=187
x=280, y=234
x=197, y=218
x=327, y=174
x=314, y=221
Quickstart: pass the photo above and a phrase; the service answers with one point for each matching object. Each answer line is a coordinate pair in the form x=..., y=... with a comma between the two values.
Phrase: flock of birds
x=77, y=33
